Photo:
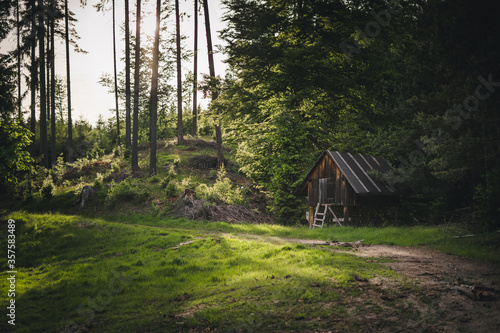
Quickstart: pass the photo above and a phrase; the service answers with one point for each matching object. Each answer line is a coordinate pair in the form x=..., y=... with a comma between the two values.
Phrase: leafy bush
x=14, y=156
x=47, y=190
x=115, y=167
x=98, y=182
x=212, y=174
x=154, y=179
x=57, y=171
x=38, y=173
x=117, y=151
x=187, y=182
x=170, y=176
x=222, y=191
x=96, y=151
x=128, y=190
x=171, y=189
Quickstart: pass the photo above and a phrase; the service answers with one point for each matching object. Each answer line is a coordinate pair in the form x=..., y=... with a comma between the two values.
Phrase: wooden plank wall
x=339, y=192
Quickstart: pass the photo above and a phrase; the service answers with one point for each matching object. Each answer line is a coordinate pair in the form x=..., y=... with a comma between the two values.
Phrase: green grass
x=122, y=274
x=484, y=247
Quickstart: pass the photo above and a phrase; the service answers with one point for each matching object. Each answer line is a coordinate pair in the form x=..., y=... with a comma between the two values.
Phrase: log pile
x=202, y=210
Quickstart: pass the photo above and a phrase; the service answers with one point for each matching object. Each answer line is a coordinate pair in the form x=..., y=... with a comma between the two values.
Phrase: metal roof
x=357, y=170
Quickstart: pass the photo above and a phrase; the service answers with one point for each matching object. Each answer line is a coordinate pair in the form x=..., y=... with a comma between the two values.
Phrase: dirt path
x=461, y=295
x=441, y=292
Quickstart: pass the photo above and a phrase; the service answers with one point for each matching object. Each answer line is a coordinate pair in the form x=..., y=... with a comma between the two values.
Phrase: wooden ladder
x=320, y=216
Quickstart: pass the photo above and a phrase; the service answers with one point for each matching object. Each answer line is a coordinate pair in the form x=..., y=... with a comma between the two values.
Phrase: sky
x=89, y=98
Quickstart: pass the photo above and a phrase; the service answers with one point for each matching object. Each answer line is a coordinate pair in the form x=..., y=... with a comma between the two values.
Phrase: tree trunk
x=135, y=161
x=127, y=77
x=180, y=131
x=68, y=84
x=53, y=89
x=19, y=98
x=48, y=55
x=34, y=74
x=116, y=79
x=195, y=72
x=218, y=131
x=153, y=104
x=43, y=90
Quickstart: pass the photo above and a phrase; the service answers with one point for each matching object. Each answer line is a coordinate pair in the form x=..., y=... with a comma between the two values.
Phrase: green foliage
x=168, y=177
x=154, y=179
x=274, y=153
x=223, y=191
x=487, y=202
x=115, y=167
x=96, y=152
x=117, y=151
x=47, y=190
x=127, y=153
x=171, y=189
x=408, y=92
x=234, y=276
x=57, y=171
x=98, y=182
x=127, y=190
x=14, y=157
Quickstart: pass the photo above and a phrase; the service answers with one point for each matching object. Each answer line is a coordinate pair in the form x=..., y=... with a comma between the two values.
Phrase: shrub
x=28, y=193
x=47, y=190
x=58, y=170
x=171, y=190
x=187, y=182
x=222, y=191
x=96, y=152
x=170, y=176
x=38, y=173
x=154, y=179
x=115, y=167
x=128, y=190
x=98, y=182
x=117, y=151
x=212, y=174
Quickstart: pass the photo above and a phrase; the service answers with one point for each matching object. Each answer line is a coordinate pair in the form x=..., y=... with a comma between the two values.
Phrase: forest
x=182, y=208
x=415, y=82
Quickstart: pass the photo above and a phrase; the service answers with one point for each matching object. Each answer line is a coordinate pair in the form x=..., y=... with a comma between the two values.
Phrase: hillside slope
x=220, y=194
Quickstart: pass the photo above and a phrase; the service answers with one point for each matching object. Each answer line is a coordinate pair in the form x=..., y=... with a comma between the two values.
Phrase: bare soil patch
x=442, y=292
x=465, y=292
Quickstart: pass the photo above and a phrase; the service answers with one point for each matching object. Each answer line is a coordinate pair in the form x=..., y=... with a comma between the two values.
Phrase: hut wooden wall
x=336, y=189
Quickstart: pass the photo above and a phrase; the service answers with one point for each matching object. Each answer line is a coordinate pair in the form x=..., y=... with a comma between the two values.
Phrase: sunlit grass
x=125, y=274
x=65, y=263
x=483, y=247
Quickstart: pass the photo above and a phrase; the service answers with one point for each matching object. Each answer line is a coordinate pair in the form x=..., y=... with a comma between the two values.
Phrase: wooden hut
x=341, y=183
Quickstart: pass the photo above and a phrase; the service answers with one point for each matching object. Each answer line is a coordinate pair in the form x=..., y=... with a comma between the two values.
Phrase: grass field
x=146, y=274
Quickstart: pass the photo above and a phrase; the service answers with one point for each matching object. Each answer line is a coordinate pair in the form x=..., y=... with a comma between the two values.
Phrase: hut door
x=325, y=190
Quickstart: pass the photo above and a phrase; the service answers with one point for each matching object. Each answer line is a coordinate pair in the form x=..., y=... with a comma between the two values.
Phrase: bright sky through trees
x=89, y=98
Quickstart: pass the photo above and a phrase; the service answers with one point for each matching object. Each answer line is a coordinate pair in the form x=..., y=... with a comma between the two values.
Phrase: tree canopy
x=411, y=81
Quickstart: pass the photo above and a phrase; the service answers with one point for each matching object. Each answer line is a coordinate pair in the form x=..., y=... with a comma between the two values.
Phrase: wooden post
x=311, y=216
x=346, y=215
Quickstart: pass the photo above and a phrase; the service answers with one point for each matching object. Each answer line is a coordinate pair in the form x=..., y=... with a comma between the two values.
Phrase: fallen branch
x=181, y=244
